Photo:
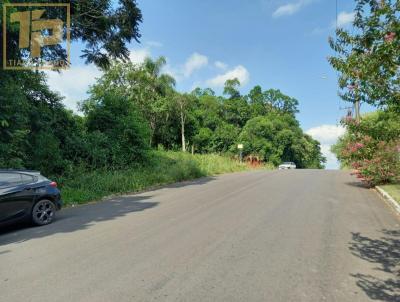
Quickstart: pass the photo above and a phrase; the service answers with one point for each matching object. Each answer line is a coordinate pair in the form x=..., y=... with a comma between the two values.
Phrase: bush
x=118, y=135
x=372, y=147
x=160, y=168
x=380, y=165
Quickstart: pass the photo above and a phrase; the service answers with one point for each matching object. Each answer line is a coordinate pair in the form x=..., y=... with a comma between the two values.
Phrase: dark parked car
x=27, y=195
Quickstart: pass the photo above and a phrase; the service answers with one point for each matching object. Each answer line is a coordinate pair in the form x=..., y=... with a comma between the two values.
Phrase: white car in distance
x=287, y=166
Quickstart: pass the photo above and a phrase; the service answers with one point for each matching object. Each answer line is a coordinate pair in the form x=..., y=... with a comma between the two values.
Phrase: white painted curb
x=386, y=195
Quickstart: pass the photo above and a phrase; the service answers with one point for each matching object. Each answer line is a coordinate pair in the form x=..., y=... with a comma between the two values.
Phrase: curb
x=389, y=198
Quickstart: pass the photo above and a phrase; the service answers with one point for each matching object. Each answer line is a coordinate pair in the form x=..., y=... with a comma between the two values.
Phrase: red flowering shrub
x=383, y=166
x=374, y=160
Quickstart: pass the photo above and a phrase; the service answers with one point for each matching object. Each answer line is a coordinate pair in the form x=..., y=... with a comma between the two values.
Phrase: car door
x=16, y=196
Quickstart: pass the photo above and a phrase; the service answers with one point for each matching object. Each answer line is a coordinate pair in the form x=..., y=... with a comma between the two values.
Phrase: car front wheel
x=43, y=212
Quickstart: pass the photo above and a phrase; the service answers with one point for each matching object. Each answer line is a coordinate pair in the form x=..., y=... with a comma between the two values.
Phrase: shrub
x=118, y=135
x=382, y=167
x=372, y=148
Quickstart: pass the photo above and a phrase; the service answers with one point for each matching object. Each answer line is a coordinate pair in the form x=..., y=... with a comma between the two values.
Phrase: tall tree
x=280, y=102
x=368, y=57
x=184, y=104
x=144, y=85
x=231, y=88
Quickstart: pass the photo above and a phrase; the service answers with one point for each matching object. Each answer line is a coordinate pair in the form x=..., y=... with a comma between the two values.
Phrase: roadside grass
x=393, y=190
x=163, y=168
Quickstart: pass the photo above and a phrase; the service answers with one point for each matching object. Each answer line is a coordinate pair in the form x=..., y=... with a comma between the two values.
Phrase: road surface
x=256, y=236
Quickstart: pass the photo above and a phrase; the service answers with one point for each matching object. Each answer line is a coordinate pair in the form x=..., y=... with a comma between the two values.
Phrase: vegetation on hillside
x=162, y=168
x=132, y=110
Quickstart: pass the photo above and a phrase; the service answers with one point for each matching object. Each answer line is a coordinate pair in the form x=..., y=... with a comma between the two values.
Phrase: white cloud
x=239, y=72
x=220, y=65
x=331, y=161
x=345, y=19
x=137, y=56
x=290, y=8
x=168, y=69
x=195, y=62
x=327, y=135
x=73, y=83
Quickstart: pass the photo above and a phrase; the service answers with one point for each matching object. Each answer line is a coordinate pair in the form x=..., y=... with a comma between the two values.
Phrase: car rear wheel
x=43, y=212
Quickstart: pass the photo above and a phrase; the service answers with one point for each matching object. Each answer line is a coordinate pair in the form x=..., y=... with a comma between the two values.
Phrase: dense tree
x=235, y=108
x=116, y=121
x=35, y=129
x=278, y=137
x=368, y=57
x=368, y=60
x=104, y=27
x=231, y=88
x=145, y=86
x=280, y=102
x=127, y=106
x=208, y=111
x=258, y=105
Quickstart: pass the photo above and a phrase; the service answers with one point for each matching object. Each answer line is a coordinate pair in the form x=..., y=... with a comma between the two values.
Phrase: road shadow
x=358, y=184
x=195, y=182
x=78, y=218
x=385, y=253
x=82, y=217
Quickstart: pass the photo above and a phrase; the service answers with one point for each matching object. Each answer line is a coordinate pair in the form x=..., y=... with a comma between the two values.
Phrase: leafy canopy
x=368, y=59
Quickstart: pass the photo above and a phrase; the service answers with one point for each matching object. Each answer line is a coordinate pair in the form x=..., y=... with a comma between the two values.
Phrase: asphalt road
x=262, y=236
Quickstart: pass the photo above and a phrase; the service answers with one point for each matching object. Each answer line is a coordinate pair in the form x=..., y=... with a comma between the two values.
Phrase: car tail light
x=53, y=184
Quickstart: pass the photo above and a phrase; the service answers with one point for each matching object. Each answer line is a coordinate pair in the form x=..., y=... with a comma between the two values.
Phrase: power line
x=336, y=39
x=336, y=20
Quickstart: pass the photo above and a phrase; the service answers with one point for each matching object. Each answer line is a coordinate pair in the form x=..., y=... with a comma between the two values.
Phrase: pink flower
x=389, y=37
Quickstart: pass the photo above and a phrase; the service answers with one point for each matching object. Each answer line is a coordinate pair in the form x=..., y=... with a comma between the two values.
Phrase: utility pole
x=354, y=87
x=357, y=109
x=357, y=105
x=349, y=111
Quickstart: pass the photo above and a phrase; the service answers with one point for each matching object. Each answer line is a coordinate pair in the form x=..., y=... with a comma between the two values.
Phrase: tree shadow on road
x=79, y=218
x=82, y=217
x=385, y=253
x=358, y=184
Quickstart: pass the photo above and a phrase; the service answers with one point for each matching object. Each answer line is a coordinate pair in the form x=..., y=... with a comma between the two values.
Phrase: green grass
x=393, y=190
x=163, y=168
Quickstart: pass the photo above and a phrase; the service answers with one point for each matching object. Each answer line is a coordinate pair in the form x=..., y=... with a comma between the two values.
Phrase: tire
x=43, y=212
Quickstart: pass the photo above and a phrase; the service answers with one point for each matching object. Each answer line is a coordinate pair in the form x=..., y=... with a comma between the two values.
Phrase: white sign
x=240, y=146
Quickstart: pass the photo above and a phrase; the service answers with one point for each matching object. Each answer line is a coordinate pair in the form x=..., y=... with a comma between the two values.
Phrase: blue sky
x=280, y=44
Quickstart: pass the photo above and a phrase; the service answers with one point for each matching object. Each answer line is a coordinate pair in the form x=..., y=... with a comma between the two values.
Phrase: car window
x=25, y=178
x=9, y=179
